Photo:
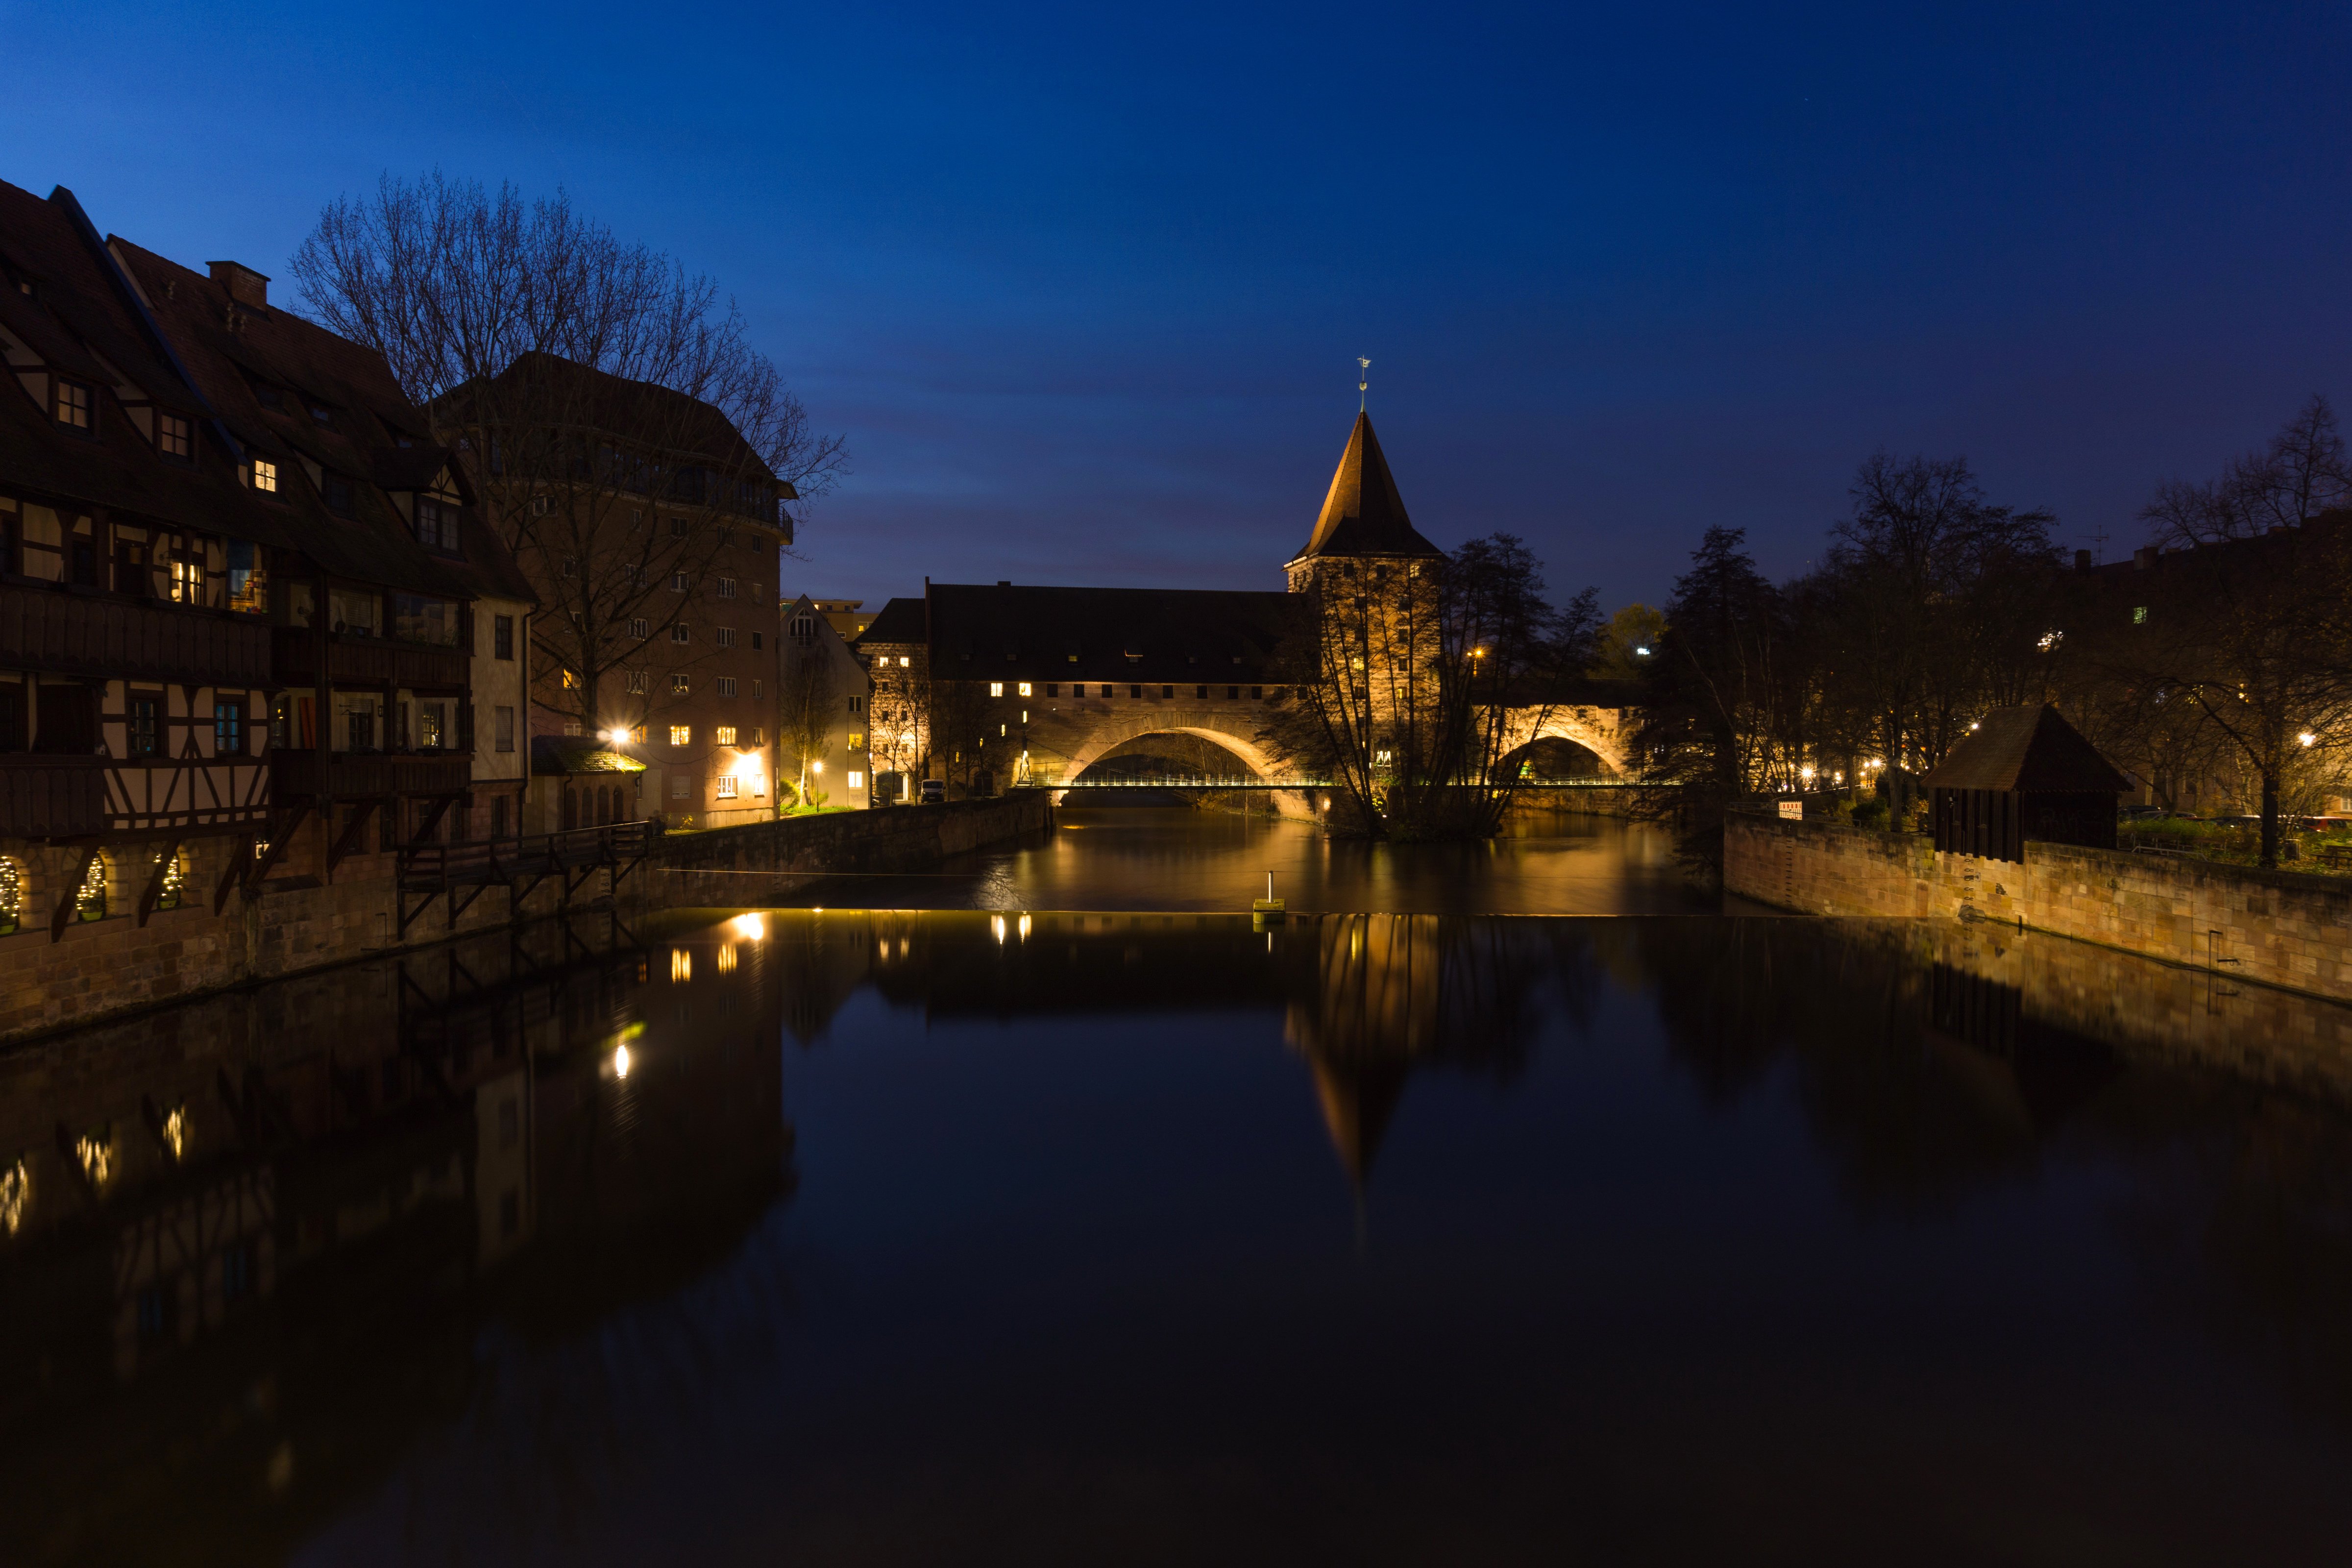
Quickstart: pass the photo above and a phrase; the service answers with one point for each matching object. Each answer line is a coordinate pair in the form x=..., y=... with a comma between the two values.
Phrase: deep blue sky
x=1084, y=286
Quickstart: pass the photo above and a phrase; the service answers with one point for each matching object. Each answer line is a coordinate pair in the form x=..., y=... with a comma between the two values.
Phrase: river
x=1073, y=1218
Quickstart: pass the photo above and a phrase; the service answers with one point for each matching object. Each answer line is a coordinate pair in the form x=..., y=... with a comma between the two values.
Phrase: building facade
x=231, y=665
x=652, y=535
x=824, y=697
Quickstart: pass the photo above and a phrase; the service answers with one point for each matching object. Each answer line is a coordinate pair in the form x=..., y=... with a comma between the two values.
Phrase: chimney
x=2143, y=557
x=245, y=286
x=2081, y=560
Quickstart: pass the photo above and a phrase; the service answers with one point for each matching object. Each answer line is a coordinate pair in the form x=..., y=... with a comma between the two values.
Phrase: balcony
x=52, y=797
x=52, y=630
x=354, y=775
x=372, y=662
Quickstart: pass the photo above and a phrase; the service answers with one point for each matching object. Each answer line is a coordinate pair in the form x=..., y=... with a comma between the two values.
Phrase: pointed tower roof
x=1363, y=514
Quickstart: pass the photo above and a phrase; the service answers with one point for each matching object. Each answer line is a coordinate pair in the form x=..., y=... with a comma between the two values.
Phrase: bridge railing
x=1252, y=782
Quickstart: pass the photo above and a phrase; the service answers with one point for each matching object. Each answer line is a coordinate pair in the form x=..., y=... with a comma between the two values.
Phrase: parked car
x=935, y=792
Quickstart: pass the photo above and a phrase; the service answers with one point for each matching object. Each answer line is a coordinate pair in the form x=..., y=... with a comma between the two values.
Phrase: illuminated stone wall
x=2277, y=928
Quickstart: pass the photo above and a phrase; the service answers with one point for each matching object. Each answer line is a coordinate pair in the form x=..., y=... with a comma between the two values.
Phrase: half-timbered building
x=247, y=624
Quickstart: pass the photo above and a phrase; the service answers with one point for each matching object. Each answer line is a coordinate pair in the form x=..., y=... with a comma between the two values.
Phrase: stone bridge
x=1064, y=735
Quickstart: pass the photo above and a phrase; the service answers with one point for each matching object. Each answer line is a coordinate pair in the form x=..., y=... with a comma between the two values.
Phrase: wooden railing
x=355, y=775
x=431, y=866
x=68, y=633
x=52, y=797
x=365, y=661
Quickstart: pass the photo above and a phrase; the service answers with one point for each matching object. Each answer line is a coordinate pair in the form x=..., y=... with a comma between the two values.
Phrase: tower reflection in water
x=259, y=1255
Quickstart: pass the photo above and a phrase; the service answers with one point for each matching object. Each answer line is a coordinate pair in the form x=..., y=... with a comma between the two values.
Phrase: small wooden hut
x=2023, y=774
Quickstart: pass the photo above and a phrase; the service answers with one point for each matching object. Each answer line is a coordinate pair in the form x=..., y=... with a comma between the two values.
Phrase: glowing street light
x=2308, y=739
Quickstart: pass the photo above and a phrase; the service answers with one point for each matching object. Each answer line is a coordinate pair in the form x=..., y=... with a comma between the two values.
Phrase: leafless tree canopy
x=620, y=428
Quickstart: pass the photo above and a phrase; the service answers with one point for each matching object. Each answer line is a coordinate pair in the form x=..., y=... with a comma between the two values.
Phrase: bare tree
x=808, y=706
x=2246, y=624
x=621, y=428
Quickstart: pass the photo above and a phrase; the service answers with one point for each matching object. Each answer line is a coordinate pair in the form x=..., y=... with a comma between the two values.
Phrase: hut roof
x=2031, y=749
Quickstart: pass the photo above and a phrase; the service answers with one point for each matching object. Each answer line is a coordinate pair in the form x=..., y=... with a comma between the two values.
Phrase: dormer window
x=73, y=404
x=175, y=438
x=337, y=490
x=322, y=415
x=265, y=475
x=437, y=525
x=271, y=397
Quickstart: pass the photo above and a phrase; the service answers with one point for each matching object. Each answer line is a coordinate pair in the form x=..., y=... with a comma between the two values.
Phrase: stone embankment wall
x=304, y=921
x=2277, y=928
x=757, y=864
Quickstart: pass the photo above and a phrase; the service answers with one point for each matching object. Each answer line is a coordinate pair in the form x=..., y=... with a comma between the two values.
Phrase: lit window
x=175, y=438
x=1025, y=688
x=265, y=475
x=681, y=734
x=904, y=662
x=724, y=734
x=727, y=786
x=678, y=685
x=73, y=406
x=856, y=739
x=856, y=780
x=997, y=689
x=639, y=734
x=2139, y=615
x=187, y=582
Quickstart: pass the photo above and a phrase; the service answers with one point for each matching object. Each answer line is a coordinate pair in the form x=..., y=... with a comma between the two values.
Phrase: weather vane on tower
x=1364, y=386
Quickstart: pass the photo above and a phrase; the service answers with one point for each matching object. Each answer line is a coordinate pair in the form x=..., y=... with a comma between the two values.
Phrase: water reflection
x=1171, y=858
x=219, y=1321
x=831, y=1233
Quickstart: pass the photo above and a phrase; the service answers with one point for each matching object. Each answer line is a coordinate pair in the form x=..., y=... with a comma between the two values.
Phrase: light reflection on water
x=1113, y=1236
x=1177, y=859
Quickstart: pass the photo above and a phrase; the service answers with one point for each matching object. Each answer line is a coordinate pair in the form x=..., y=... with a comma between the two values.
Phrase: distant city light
x=1642, y=651
x=621, y=1061
x=996, y=924
x=752, y=926
x=2308, y=739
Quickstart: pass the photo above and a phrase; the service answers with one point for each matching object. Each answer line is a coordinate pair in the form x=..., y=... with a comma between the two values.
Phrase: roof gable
x=2030, y=750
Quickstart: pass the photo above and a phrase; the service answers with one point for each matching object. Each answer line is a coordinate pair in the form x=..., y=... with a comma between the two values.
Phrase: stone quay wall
x=765, y=861
x=304, y=919
x=2275, y=928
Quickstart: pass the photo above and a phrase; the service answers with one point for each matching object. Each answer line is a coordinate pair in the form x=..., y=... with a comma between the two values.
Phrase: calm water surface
x=1178, y=859
x=1142, y=1236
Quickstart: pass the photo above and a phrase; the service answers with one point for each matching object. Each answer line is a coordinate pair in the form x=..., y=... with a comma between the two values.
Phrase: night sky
x=1085, y=287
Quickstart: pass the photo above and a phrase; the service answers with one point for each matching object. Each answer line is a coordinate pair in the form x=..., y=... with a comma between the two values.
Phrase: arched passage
x=1600, y=731
x=1246, y=750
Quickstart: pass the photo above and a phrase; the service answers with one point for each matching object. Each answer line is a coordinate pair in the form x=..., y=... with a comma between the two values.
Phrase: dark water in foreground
x=967, y=1236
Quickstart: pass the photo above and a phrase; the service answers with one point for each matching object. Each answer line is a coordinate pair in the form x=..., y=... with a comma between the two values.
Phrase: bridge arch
x=1600, y=730
x=1211, y=727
